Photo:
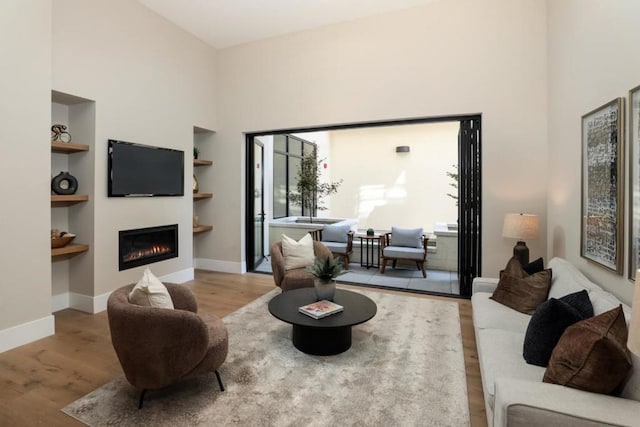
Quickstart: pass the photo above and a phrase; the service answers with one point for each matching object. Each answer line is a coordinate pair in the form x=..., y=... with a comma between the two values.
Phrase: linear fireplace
x=147, y=245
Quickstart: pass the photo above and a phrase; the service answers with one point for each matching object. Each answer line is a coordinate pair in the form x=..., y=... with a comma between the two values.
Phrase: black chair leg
x=144, y=390
x=219, y=381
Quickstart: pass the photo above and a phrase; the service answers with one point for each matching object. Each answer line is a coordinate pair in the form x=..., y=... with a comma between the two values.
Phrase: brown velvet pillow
x=521, y=291
x=592, y=354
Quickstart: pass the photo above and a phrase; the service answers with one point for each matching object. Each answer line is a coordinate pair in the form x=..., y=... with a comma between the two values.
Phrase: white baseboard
x=82, y=302
x=59, y=302
x=27, y=332
x=98, y=303
x=222, y=266
x=179, y=276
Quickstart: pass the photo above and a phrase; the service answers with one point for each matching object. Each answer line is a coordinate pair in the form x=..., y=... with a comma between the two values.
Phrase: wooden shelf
x=69, y=249
x=202, y=229
x=200, y=196
x=200, y=162
x=63, y=200
x=68, y=147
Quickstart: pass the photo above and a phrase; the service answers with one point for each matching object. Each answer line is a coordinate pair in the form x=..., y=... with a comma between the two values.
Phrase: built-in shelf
x=69, y=249
x=68, y=147
x=202, y=229
x=200, y=196
x=67, y=200
x=200, y=162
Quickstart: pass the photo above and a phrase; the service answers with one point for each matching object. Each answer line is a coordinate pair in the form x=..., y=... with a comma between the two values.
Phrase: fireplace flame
x=151, y=251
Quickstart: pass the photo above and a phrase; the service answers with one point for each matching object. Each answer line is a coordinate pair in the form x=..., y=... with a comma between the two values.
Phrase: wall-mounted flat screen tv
x=144, y=171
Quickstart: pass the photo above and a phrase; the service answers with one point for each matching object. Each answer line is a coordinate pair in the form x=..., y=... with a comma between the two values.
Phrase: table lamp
x=522, y=227
x=633, y=342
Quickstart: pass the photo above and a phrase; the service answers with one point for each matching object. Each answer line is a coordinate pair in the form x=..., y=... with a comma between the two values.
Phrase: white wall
x=25, y=108
x=592, y=59
x=383, y=188
x=152, y=82
x=453, y=57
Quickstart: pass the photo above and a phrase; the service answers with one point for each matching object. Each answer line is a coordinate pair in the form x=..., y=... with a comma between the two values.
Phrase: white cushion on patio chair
x=335, y=246
x=403, y=252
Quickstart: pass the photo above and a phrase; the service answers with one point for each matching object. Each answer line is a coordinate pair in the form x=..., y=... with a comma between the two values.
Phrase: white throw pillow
x=150, y=292
x=297, y=254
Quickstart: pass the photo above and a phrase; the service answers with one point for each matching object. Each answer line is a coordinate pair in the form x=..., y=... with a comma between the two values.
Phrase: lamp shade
x=634, y=325
x=520, y=226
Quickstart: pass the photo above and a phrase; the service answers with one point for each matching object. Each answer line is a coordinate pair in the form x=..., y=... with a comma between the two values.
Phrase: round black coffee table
x=329, y=335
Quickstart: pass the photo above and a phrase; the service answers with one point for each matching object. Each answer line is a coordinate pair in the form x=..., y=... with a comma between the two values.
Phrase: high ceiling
x=224, y=23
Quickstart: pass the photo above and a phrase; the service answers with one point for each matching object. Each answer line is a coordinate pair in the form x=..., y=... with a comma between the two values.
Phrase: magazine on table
x=321, y=309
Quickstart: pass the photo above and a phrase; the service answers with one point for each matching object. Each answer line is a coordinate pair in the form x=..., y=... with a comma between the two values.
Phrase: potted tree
x=309, y=190
x=325, y=271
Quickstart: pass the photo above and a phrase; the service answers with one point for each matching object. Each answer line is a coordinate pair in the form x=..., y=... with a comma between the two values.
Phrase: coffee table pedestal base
x=321, y=341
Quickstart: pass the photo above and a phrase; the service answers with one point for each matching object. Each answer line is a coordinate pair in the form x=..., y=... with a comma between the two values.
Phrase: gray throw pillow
x=335, y=233
x=407, y=237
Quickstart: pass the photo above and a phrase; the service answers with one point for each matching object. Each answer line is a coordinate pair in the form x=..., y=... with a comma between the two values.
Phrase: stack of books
x=321, y=309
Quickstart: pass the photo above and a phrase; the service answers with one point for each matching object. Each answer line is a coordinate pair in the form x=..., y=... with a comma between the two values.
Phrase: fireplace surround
x=143, y=246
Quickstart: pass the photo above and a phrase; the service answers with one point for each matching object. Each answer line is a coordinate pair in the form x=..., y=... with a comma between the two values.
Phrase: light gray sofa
x=514, y=393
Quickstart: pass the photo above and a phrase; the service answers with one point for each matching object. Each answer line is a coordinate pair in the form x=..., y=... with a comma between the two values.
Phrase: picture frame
x=634, y=182
x=602, y=236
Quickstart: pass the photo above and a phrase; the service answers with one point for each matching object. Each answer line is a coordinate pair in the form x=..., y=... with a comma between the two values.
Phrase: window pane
x=307, y=148
x=280, y=143
x=279, y=185
x=294, y=167
x=295, y=147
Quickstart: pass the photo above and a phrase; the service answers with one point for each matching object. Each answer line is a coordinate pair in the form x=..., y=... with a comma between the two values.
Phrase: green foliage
x=325, y=268
x=310, y=191
x=456, y=177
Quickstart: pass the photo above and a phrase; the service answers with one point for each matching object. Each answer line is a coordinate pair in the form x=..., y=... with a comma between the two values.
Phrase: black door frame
x=470, y=187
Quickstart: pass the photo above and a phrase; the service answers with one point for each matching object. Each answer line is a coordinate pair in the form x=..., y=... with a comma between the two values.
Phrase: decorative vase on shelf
x=324, y=289
x=370, y=232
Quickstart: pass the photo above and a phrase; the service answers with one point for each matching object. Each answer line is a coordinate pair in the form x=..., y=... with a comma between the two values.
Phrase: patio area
x=404, y=278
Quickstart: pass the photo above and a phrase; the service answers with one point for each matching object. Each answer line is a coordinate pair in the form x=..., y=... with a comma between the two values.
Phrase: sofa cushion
x=297, y=254
x=150, y=292
x=488, y=313
x=546, y=327
x=403, y=252
x=592, y=355
x=521, y=291
x=335, y=233
x=500, y=355
x=407, y=237
x=604, y=301
x=567, y=279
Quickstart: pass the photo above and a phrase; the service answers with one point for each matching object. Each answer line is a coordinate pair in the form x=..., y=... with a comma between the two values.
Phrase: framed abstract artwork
x=634, y=181
x=602, y=239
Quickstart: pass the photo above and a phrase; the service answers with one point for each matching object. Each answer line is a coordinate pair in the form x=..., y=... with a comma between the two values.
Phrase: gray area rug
x=405, y=368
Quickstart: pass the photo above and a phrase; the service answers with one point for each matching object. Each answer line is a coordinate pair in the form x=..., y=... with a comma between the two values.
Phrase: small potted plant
x=196, y=152
x=325, y=270
x=370, y=232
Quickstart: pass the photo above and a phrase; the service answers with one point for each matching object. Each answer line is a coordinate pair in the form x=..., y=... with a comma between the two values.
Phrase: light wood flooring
x=38, y=379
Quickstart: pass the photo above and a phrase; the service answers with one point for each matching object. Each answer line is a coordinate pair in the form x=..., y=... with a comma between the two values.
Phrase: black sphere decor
x=64, y=184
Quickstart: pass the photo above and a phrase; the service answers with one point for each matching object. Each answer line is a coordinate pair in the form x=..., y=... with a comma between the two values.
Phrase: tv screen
x=142, y=170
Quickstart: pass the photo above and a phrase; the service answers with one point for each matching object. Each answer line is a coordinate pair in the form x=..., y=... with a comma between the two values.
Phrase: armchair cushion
x=337, y=247
x=297, y=254
x=403, y=252
x=335, y=233
x=150, y=292
x=407, y=237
